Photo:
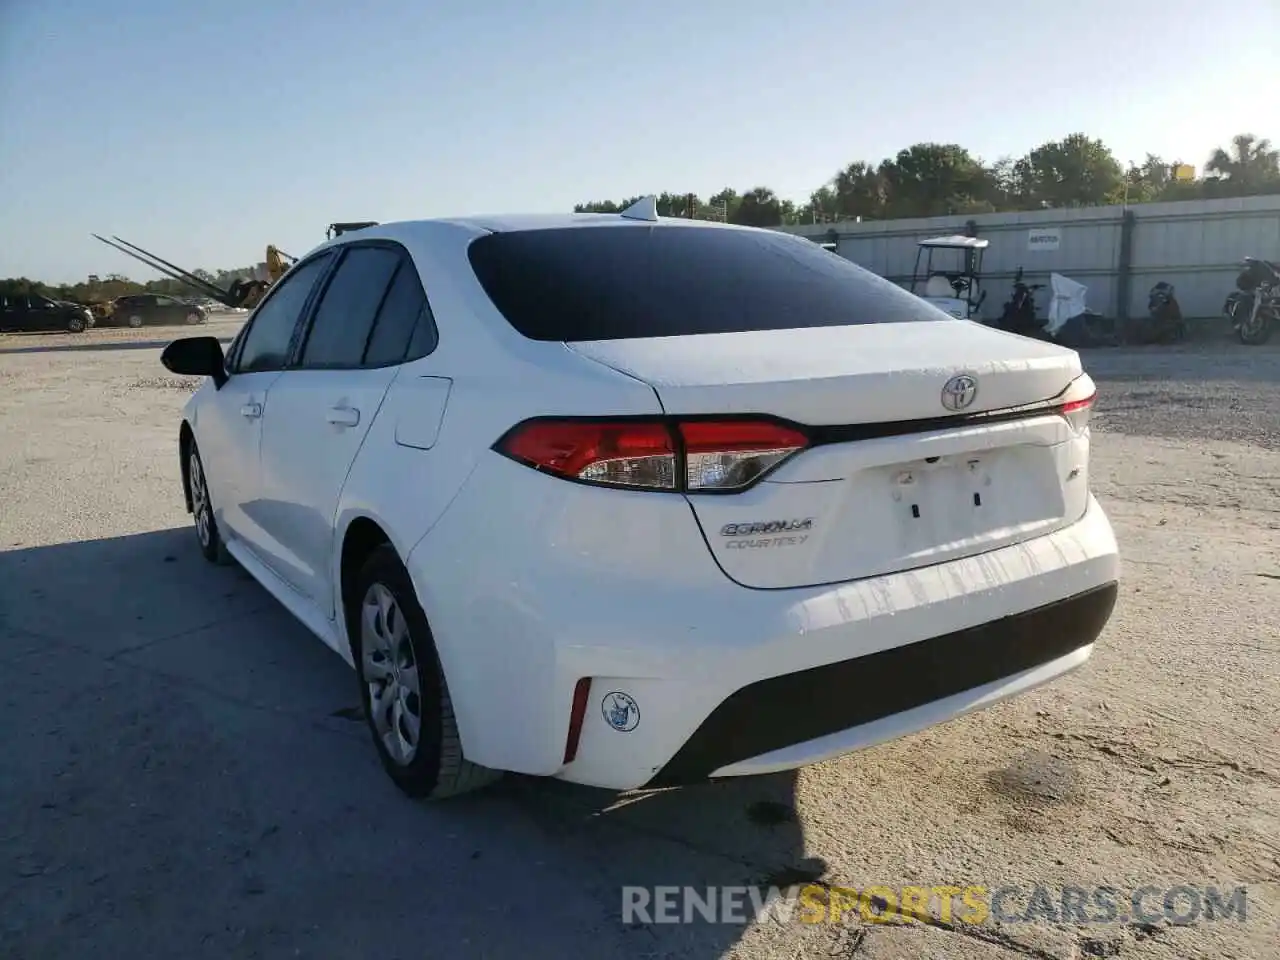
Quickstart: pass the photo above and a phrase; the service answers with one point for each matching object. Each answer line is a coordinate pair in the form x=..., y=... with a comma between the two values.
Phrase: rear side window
x=344, y=318
x=621, y=282
x=405, y=329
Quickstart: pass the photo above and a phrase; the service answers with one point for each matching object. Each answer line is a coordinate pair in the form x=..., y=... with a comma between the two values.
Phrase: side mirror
x=196, y=357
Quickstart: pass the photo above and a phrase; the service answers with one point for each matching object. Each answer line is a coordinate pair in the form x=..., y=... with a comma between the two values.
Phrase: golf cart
x=952, y=285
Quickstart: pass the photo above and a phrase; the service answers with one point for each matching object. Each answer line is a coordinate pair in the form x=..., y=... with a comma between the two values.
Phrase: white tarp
x=1067, y=301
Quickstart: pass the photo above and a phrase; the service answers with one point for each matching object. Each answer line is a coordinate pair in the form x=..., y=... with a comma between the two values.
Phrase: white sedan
x=635, y=502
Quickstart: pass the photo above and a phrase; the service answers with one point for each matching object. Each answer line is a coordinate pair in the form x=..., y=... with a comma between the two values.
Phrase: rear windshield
x=621, y=282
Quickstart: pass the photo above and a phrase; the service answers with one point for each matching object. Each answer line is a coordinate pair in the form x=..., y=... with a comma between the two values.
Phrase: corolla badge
x=959, y=392
x=620, y=711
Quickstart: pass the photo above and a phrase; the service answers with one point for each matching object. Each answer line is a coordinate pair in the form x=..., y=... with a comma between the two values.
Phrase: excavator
x=242, y=293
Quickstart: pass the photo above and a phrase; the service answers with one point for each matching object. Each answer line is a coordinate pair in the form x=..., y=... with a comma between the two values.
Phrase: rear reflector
x=577, y=713
x=690, y=455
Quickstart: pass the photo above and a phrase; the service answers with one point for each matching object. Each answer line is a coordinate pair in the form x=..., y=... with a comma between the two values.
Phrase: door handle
x=343, y=416
x=251, y=410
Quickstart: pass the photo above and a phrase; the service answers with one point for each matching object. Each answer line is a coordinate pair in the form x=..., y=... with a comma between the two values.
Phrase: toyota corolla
x=633, y=502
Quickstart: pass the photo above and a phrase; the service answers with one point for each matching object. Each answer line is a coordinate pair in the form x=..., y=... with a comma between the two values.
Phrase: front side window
x=270, y=333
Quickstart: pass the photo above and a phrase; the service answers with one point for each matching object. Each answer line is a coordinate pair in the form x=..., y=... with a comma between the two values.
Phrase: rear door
x=318, y=412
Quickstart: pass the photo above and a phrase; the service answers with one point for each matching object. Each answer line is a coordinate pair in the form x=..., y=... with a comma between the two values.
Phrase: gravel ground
x=182, y=776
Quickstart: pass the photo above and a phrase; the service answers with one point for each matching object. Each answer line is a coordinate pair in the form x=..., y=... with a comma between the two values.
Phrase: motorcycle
x=1164, y=323
x=1254, y=306
x=1019, y=313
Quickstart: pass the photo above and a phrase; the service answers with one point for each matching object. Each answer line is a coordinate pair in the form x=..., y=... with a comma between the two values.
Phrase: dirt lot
x=181, y=774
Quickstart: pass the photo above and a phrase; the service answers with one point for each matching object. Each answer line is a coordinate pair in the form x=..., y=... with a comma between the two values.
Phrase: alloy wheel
x=200, y=501
x=390, y=671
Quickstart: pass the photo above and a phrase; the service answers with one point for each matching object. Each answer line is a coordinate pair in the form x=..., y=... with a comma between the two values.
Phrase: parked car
x=636, y=502
x=151, y=308
x=34, y=312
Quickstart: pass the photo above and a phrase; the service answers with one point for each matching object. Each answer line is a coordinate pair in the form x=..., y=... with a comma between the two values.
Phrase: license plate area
x=943, y=499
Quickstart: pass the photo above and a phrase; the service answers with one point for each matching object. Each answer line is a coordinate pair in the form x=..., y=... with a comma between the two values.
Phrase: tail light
x=683, y=455
x=1076, y=405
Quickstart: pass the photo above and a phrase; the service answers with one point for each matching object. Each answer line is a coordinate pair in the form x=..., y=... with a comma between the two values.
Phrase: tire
x=1260, y=332
x=135, y=321
x=75, y=325
x=212, y=547
x=394, y=653
x=194, y=318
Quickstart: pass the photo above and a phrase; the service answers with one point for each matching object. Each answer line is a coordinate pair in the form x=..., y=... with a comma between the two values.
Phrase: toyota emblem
x=958, y=393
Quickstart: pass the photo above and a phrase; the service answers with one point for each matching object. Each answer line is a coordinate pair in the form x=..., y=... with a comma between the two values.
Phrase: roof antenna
x=646, y=208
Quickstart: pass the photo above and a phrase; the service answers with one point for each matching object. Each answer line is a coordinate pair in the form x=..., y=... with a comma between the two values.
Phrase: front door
x=229, y=428
x=228, y=432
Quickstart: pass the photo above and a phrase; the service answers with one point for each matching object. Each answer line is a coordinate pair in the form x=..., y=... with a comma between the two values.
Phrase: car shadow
x=98, y=345
x=185, y=762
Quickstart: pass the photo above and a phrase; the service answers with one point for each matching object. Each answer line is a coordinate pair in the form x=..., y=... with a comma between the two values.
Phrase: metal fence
x=1118, y=252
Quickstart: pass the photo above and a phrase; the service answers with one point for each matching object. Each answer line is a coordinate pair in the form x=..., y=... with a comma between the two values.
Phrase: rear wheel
x=135, y=321
x=402, y=686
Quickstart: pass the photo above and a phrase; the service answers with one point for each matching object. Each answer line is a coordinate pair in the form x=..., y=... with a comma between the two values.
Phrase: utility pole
x=691, y=205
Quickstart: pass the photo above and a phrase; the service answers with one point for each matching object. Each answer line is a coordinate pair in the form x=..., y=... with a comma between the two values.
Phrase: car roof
x=410, y=230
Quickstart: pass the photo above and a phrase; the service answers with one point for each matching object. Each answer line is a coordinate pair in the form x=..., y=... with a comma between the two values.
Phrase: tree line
x=938, y=179
x=100, y=289
x=924, y=180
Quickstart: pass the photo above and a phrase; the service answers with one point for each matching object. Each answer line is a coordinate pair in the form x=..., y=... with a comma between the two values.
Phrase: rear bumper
x=796, y=717
x=726, y=680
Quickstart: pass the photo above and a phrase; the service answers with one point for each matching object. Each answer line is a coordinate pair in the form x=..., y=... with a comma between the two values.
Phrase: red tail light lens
x=618, y=453
x=692, y=455
x=1078, y=412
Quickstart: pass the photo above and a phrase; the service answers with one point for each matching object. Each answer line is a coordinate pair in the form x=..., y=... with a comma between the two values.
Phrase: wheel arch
x=361, y=535
x=186, y=438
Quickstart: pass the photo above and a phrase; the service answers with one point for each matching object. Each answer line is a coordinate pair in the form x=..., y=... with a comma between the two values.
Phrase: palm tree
x=1249, y=163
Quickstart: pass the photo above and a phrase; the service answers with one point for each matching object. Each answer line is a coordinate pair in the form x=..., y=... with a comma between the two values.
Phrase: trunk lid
x=851, y=507
x=820, y=376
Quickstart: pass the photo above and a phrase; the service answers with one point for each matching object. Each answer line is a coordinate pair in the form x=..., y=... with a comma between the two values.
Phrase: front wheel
x=135, y=321
x=75, y=325
x=1256, y=331
x=402, y=687
x=194, y=318
x=211, y=546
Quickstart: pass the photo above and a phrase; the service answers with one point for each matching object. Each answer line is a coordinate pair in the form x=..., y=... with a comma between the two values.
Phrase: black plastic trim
x=797, y=707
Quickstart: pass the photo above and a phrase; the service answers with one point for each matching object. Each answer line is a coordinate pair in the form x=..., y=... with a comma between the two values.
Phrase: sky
x=204, y=131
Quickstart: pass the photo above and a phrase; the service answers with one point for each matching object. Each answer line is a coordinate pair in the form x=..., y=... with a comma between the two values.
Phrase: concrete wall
x=1196, y=245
